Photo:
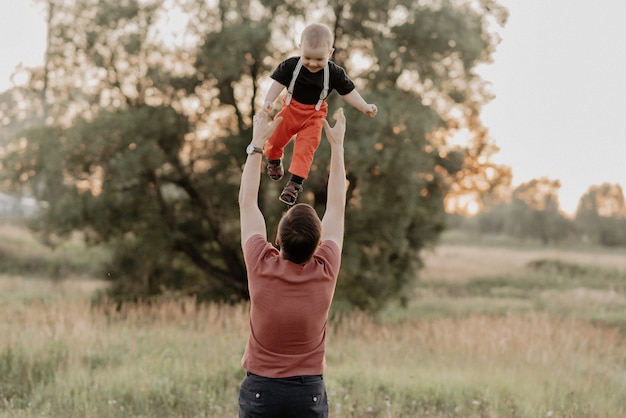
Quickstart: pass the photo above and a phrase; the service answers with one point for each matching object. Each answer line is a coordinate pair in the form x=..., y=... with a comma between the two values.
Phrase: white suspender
x=296, y=71
x=324, y=92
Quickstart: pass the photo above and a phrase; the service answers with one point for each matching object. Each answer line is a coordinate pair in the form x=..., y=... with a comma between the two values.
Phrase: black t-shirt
x=309, y=85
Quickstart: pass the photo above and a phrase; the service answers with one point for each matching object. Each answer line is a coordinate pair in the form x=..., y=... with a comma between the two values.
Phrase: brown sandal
x=290, y=193
x=275, y=170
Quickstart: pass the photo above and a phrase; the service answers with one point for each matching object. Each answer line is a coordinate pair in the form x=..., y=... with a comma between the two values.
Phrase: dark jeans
x=289, y=397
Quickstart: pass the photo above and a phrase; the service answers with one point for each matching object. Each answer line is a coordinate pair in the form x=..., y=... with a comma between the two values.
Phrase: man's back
x=289, y=309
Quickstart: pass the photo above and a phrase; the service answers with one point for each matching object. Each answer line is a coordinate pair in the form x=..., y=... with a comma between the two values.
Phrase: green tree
x=144, y=141
x=493, y=219
x=535, y=212
x=601, y=215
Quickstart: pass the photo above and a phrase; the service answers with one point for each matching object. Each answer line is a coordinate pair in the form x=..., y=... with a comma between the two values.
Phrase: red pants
x=306, y=123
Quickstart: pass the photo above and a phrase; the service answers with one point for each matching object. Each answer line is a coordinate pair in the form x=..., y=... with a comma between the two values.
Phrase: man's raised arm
x=252, y=220
x=333, y=219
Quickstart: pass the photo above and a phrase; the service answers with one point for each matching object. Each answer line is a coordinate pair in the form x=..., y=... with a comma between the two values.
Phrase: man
x=291, y=289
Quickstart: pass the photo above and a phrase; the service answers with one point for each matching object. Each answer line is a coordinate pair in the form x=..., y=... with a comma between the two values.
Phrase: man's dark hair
x=299, y=233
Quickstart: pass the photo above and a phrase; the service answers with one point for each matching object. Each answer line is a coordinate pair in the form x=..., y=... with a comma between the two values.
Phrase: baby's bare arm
x=355, y=100
x=274, y=91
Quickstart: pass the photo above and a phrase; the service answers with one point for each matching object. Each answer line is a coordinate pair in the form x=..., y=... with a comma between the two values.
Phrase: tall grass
x=539, y=335
x=179, y=359
x=525, y=366
x=175, y=359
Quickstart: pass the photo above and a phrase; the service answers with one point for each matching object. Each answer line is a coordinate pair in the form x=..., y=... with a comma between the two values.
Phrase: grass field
x=491, y=331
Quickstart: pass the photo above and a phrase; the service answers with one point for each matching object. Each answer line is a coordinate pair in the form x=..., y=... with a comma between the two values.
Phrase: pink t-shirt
x=289, y=309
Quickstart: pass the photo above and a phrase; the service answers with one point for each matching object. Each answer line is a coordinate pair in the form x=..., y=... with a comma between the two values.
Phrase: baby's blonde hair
x=316, y=34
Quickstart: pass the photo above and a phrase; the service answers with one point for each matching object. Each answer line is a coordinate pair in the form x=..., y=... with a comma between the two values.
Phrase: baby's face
x=315, y=59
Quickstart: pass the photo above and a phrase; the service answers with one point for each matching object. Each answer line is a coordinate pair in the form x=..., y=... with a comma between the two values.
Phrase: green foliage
x=535, y=211
x=22, y=373
x=147, y=159
x=21, y=253
x=612, y=232
x=601, y=215
x=532, y=213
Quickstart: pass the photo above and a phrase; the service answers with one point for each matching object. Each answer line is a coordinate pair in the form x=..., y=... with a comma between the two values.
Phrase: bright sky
x=22, y=37
x=560, y=82
x=559, y=77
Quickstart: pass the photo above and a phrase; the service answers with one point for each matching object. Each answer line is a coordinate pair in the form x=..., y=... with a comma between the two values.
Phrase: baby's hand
x=371, y=110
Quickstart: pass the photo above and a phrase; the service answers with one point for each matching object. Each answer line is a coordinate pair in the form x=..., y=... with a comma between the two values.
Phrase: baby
x=309, y=79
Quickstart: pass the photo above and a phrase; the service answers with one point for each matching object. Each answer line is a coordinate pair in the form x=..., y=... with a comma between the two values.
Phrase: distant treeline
x=533, y=214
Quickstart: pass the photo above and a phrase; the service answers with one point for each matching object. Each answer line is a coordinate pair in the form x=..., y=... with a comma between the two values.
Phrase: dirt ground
x=463, y=262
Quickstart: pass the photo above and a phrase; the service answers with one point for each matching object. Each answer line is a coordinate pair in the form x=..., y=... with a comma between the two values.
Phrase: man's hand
x=267, y=107
x=336, y=134
x=262, y=129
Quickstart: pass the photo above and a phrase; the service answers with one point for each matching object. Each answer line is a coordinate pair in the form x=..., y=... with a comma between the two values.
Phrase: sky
x=559, y=79
x=559, y=76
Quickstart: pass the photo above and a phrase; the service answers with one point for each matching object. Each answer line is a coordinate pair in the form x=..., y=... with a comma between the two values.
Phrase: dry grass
x=14, y=289
x=479, y=366
x=170, y=359
x=16, y=233
x=508, y=355
x=184, y=360
x=460, y=263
